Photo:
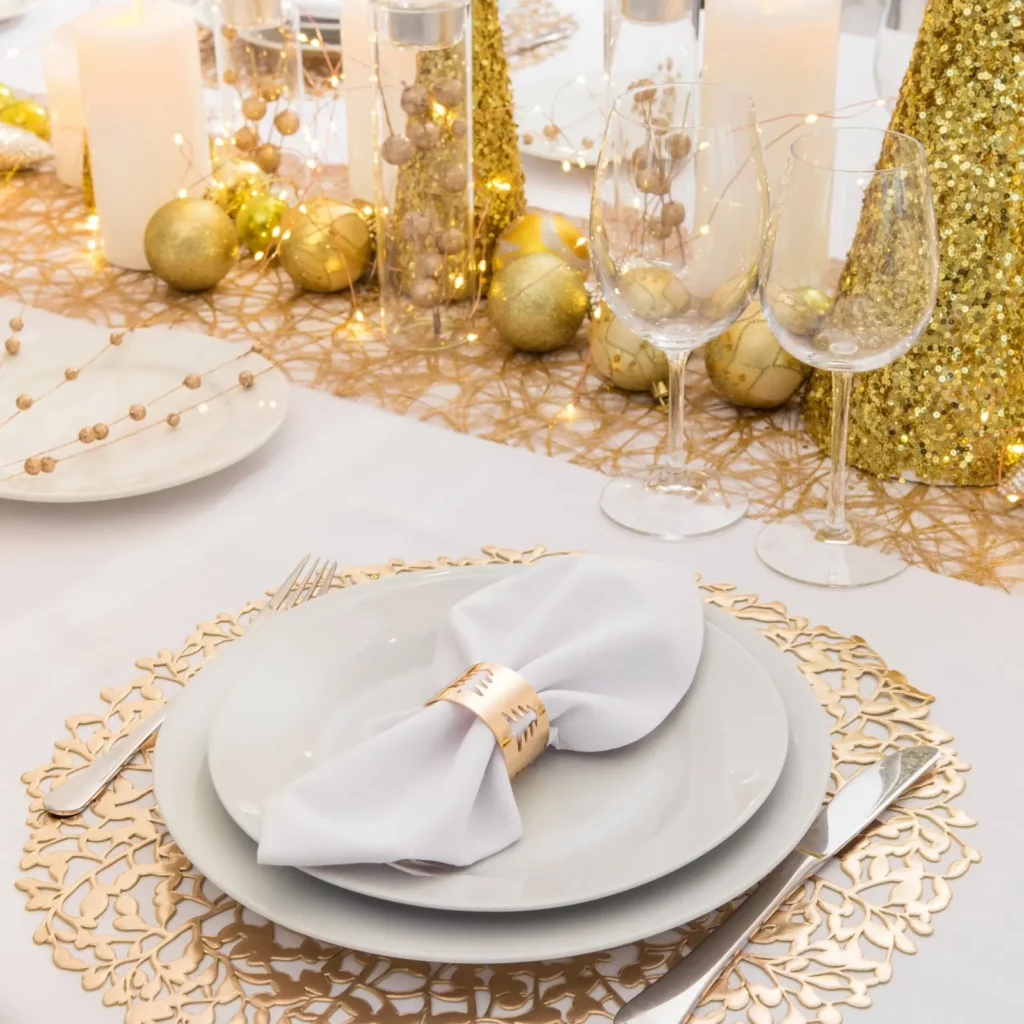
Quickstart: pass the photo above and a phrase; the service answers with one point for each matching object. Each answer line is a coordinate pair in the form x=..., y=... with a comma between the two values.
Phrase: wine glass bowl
x=677, y=222
x=849, y=279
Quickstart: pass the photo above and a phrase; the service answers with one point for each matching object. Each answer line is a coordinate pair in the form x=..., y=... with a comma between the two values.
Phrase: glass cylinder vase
x=423, y=155
x=259, y=75
x=654, y=40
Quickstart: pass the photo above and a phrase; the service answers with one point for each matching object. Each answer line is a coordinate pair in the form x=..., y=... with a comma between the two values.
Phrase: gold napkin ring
x=509, y=706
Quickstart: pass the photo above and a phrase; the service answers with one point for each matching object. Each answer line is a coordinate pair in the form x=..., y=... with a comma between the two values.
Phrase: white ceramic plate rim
x=249, y=727
x=243, y=442
x=227, y=857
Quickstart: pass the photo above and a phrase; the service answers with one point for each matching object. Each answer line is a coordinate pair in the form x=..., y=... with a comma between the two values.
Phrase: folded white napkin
x=611, y=646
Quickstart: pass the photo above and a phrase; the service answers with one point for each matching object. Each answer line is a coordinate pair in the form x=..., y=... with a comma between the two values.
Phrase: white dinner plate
x=219, y=429
x=315, y=683
x=577, y=107
x=227, y=857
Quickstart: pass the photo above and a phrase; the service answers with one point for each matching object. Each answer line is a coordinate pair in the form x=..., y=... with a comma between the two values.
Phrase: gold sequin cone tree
x=500, y=195
x=952, y=409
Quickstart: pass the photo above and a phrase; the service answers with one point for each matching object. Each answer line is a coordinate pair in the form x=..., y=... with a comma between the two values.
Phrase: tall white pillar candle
x=783, y=53
x=358, y=90
x=143, y=93
x=64, y=98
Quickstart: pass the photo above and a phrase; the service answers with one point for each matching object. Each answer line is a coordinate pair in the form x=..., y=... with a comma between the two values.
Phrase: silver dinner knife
x=674, y=996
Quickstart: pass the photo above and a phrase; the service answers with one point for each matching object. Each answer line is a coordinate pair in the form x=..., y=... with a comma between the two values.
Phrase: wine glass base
x=794, y=550
x=691, y=508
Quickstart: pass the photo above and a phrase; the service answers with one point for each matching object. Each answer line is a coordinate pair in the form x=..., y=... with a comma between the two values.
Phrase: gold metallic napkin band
x=508, y=705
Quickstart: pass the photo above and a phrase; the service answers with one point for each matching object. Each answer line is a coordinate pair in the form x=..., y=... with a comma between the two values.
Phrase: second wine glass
x=678, y=215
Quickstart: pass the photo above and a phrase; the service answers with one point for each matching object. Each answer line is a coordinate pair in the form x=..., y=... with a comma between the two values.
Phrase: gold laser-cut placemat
x=123, y=907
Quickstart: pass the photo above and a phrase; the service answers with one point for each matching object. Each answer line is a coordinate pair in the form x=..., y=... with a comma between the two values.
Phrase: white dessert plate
x=317, y=682
x=225, y=855
x=562, y=119
x=16, y=8
x=219, y=424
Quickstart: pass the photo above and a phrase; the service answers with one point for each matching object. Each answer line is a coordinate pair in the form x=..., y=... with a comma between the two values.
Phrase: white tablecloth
x=87, y=589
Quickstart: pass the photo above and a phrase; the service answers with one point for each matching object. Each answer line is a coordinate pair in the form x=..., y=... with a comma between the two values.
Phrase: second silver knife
x=674, y=996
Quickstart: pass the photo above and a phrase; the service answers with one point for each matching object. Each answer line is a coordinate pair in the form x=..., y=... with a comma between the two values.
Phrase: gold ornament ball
x=654, y=293
x=287, y=122
x=257, y=220
x=234, y=181
x=622, y=356
x=801, y=310
x=747, y=365
x=325, y=246
x=267, y=157
x=544, y=232
x=27, y=114
x=190, y=244
x=254, y=108
x=6, y=95
x=537, y=302
x=727, y=298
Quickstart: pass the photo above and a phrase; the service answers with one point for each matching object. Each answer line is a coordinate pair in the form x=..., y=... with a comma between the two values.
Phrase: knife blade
x=674, y=996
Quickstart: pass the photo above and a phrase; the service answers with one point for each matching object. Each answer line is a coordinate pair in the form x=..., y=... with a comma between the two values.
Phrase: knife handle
x=676, y=994
x=82, y=787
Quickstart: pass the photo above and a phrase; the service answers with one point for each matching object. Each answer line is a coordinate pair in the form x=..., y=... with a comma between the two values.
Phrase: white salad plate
x=225, y=854
x=218, y=427
x=319, y=681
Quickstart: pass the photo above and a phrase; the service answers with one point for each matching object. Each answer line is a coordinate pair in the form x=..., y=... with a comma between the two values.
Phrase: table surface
x=88, y=589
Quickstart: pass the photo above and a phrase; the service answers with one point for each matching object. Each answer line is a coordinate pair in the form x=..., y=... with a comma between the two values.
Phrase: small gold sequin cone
x=952, y=410
x=500, y=193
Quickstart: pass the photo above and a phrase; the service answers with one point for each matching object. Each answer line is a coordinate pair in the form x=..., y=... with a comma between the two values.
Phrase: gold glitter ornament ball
x=325, y=245
x=623, y=357
x=952, y=409
x=655, y=294
x=748, y=367
x=544, y=232
x=257, y=221
x=190, y=243
x=234, y=181
x=27, y=114
x=537, y=302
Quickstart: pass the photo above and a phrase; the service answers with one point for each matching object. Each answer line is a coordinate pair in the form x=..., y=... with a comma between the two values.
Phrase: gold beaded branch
x=45, y=462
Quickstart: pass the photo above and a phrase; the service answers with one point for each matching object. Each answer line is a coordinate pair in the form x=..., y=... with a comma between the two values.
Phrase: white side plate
x=218, y=848
x=147, y=364
x=313, y=683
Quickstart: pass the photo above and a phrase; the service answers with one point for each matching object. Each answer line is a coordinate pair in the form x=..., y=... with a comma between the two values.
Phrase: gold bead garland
x=45, y=462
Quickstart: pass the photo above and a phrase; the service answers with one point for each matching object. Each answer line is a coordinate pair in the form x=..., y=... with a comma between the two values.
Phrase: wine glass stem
x=676, y=460
x=836, y=529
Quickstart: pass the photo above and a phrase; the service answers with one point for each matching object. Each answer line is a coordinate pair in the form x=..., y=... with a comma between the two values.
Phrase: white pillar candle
x=783, y=53
x=64, y=98
x=143, y=94
x=358, y=90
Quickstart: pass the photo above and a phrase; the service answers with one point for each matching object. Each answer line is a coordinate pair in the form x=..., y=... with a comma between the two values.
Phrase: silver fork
x=79, y=790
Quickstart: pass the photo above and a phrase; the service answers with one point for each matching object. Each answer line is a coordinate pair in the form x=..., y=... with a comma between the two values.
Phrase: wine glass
x=848, y=283
x=677, y=222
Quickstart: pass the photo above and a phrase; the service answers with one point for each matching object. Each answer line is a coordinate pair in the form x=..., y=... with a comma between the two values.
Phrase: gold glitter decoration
x=537, y=302
x=747, y=365
x=190, y=243
x=952, y=409
x=483, y=389
x=122, y=906
x=501, y=191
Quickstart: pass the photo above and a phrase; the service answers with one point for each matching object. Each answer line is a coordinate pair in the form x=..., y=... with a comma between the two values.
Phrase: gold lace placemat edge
x=122, y=906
